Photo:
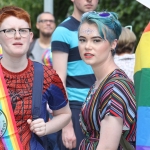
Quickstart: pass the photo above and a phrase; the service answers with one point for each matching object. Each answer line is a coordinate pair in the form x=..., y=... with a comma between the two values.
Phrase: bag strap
x=29, y=54
x=37, y=98
x=125, y=144
x=37, y=90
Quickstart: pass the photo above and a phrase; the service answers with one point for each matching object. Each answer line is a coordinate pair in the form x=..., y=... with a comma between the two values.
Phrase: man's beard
x=47, y=35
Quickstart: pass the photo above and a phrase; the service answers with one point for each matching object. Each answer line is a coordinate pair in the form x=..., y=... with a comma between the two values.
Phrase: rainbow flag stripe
x=1, y=51
x=142, y=88
x=10, y=138
x=47, y=57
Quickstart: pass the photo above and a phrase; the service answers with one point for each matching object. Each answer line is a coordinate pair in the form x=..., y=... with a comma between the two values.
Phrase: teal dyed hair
x=109, y=26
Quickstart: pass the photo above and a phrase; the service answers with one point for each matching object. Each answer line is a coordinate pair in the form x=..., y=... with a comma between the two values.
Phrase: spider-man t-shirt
x=20, y=90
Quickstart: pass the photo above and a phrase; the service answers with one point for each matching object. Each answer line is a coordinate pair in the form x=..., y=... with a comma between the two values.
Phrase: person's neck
x=44, y=42
x=14, y=64
x=77, y=15
x=101, y=71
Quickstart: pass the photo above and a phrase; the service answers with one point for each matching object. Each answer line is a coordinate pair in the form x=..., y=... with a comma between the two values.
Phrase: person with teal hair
x=108, y=114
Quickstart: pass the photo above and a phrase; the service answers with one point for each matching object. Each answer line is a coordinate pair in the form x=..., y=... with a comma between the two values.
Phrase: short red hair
x=15, y=11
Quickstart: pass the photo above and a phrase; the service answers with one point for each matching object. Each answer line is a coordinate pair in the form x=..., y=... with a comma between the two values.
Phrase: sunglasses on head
x=104, y=14
x=129, y=27
x=101, y=14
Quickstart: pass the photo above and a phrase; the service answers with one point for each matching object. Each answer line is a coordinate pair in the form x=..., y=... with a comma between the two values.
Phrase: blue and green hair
x=108, y=24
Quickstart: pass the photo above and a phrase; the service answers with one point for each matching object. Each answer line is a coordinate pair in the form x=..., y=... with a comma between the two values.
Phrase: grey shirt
x=37, y=52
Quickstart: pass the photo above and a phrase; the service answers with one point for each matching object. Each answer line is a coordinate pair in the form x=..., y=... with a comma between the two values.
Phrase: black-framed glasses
x=10, y=33
x=46, y=20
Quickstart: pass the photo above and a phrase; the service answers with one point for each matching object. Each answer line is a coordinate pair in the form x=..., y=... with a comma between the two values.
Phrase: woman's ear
x=114, y=44
x=37, y=25
x=31, y=36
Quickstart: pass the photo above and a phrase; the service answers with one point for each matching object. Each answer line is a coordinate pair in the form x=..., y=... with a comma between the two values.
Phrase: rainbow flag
x=8, y=130
x=47, y=57
x=1, y=51
x=142, y=88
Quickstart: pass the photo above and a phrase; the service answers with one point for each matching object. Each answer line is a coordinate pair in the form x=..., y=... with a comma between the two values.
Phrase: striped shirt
x=80, y=76
x=116, y=98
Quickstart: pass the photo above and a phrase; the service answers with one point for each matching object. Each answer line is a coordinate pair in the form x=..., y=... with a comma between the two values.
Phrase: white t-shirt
x=126, y=62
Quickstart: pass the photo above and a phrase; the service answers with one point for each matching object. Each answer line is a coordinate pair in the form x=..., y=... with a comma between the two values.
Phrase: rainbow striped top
x=115, y=97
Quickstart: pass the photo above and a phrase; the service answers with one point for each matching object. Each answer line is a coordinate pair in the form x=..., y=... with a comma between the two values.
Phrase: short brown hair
x=126, y=42
x=15, y=11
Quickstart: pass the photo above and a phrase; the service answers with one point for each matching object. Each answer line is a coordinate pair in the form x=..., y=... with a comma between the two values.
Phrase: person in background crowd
x=125, y=57
x=17, y=72
x=109, y=111
x=75, y=74
x=40, y=49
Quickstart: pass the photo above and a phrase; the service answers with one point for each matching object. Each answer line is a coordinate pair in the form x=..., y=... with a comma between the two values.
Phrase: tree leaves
x=130, y=12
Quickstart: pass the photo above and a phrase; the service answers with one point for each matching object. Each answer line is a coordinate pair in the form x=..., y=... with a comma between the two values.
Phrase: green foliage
x=61, y=9
x=130, y=12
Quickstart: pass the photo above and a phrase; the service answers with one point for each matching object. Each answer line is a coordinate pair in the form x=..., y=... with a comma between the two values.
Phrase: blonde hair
x=126, y=42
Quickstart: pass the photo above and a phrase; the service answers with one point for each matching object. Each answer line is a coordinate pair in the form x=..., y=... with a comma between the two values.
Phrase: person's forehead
x=14, y=22
x=46, y=16
x=86, y=26
x=89, y=30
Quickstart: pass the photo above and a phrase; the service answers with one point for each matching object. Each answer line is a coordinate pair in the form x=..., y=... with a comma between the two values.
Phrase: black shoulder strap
x=125, y=144
x=37, y=90
x=31, y=48
x=37, y=98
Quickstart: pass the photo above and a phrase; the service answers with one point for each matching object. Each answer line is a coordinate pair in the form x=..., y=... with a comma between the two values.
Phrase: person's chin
x=19, y=53
x=88, y=62
x=46, y=34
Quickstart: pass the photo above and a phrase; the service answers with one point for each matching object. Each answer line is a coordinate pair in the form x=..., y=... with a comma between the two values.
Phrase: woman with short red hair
x=17, y=74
